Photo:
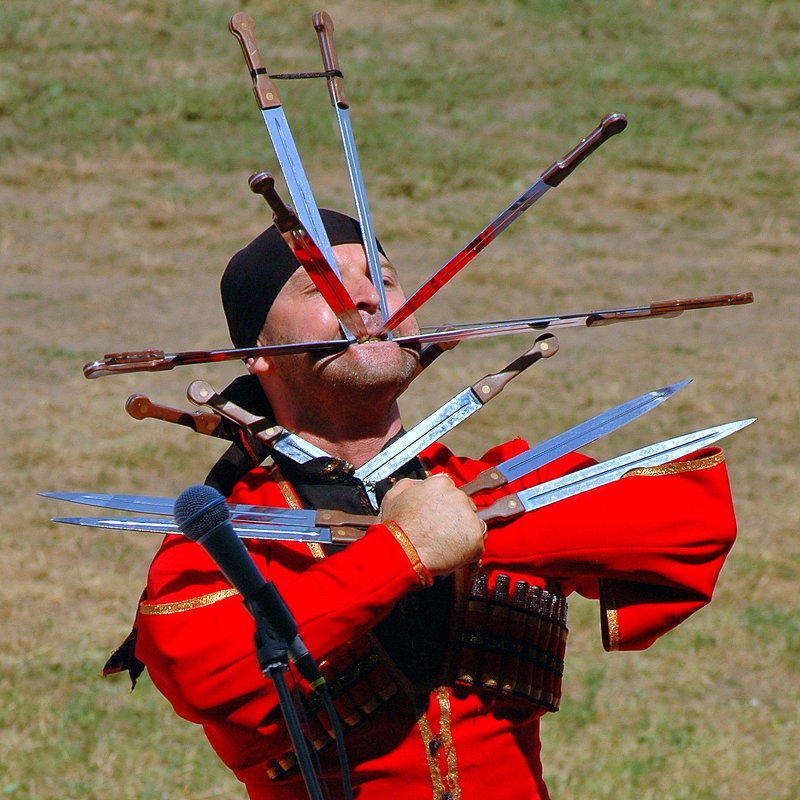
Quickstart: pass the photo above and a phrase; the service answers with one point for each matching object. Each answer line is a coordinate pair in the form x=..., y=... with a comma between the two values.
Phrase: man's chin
x=371, y=364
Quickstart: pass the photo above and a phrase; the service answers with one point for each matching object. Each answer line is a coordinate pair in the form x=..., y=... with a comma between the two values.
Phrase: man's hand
x=439, y=520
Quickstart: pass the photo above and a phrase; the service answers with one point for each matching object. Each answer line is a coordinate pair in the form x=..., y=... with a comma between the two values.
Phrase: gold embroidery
x=430, y=754
x=443, y=696
x=613, y=628
x=408, y=548
x=612, y=619
x=680, y=466
x=147, y=608
x=291, y=499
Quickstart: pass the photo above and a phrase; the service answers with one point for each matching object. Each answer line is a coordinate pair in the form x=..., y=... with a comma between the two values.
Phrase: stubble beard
x=352, y=381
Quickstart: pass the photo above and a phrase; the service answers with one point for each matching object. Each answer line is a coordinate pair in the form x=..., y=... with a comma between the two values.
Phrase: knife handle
x=609, y=125
x=243, y=27
x=490, y=386
x=337, y=519
x=323, y=25
x=263, y=183
x=345, y=535
x=201, y=393
x=490, y=478
x=141, y=407
x=506, y=507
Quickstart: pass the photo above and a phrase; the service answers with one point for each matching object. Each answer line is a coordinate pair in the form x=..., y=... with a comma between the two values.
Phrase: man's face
x=300, y=314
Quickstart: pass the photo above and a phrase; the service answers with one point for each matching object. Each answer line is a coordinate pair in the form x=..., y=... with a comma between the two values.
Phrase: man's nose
x=364, y=294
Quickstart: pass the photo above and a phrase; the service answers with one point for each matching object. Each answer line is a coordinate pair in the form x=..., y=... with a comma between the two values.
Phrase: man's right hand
x=439, y=520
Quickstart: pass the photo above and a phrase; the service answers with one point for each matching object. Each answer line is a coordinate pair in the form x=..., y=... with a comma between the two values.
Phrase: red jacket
x=649, y=546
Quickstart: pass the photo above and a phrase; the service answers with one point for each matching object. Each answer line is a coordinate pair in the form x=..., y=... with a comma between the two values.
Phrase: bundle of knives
x=302, y=228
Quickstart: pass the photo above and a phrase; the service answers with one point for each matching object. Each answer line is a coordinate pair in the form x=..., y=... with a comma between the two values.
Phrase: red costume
x=649, y=546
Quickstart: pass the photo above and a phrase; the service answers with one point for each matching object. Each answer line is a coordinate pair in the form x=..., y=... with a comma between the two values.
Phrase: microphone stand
x=272, y=651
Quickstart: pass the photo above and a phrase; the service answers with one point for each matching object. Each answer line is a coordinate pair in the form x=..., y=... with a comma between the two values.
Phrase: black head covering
x=256, y=274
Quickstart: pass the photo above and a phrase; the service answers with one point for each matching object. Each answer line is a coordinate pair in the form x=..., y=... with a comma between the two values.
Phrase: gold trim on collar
x=680, y=466
x=148, y=608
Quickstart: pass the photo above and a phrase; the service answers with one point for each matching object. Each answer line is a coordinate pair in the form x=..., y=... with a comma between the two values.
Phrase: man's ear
x=260, y=366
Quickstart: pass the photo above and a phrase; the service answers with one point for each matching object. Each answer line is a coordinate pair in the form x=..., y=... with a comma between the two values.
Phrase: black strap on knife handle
x=243, y=27
x=323, y=25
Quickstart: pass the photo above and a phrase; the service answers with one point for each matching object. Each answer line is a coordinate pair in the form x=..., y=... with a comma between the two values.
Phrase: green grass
x=127, y=132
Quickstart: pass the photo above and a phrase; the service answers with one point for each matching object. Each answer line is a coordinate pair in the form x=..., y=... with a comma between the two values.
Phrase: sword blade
x=429, y=430
x=566, y=442
x=607, y=471
x=324, y=274
x=146, y=504
x=158, y=360
x=611, y=124
x=323, y=25
x=242, y=26
x=244, y=531
x=453, y=412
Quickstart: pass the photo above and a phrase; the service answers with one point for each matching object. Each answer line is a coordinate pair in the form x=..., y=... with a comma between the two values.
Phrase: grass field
x=127, y=133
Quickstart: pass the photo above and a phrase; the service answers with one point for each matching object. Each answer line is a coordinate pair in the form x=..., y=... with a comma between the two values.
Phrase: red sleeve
x=650, y=545
x=196, y=637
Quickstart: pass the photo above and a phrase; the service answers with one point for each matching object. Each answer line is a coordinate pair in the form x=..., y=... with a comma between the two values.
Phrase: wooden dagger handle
x=243, y=27
x=345, y=535
x=490, y=478
x=141, y=407
x=201, y=393
x=491, y=385
x=338, y=519
x=711, y=301
x=264, y=184
x=323, y=25
x=505, y=508
x=609, y=125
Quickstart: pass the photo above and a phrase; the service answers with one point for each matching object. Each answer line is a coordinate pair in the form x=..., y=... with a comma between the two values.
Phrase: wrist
x=423, y=573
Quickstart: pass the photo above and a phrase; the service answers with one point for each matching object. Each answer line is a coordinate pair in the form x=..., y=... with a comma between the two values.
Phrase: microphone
x=202, y=515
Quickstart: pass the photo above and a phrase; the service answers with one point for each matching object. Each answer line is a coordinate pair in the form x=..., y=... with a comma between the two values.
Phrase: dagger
x=248, y=522
x=610, y=124
x=159, y=360
x=398, y=452
x=323, y=25
x=306, y=251
x=444, y=419
x=274, y=436
x=242, y=26
x=515, y=467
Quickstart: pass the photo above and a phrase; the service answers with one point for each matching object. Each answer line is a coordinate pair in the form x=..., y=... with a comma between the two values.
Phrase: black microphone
x=202, y=515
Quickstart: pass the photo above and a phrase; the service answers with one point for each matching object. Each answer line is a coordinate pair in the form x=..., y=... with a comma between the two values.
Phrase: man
x=443, y=646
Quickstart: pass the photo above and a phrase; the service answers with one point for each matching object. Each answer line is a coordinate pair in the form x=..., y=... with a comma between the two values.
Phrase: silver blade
x=244, y=531
x=607, y=471
x=297, y=448
x=144, y=504
x=362, y=206
x=419, y=437
x=296, y=180
x=588, y=431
